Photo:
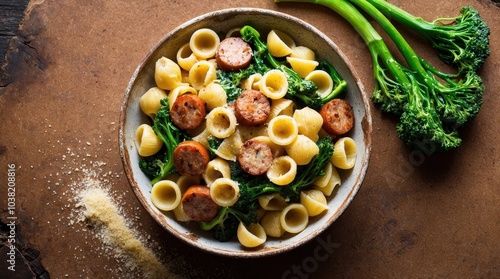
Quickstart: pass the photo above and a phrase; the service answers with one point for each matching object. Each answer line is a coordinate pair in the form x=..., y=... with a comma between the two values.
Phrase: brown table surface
x=434, y=216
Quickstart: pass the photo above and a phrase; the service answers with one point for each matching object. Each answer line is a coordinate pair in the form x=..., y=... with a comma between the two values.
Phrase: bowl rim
x=125, y=157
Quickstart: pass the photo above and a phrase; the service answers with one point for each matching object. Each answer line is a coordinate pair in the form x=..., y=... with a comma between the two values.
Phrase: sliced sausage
x=190, y=158
x=233, y=54
x=255, y=157
x=188, y=111
x=338, y=117
x=198, y=205
x=252, y=108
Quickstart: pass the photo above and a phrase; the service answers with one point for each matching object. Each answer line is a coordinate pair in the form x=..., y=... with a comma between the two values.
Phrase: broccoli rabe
x=461, y=41
x=230, y=81
x=161, y=165
x=302, y=91
x=225, y=223
x=431, y=104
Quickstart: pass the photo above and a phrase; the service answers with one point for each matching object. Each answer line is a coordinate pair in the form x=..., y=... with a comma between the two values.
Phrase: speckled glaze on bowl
x=222, y=21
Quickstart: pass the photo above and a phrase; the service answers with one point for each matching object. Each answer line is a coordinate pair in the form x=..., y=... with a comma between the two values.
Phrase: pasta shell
x=166, y=195
x=314, y=201
x=252, y=235
x=294, y=218
x=271, y=224
x=204, y=43
x=279, y=43
x=303, y=52
x=167, y=74
x=344, y=153
x=146, y=140
x=323, y=81
x=302, y=67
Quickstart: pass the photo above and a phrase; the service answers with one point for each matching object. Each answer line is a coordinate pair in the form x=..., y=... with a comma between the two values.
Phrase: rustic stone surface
x=414, y=217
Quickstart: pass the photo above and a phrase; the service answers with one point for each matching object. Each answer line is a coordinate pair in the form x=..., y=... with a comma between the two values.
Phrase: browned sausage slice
x=338, y=117
x=255, y=157
x=198, y=205
x=190, y=158
x=188, y=111
x=233, y=54
x=252, y=108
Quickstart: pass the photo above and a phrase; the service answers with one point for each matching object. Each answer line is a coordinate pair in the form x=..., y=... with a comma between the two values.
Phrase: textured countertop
x=416, y=215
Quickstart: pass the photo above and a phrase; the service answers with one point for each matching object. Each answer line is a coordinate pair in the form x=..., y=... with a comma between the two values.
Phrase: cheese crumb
x=101, y=212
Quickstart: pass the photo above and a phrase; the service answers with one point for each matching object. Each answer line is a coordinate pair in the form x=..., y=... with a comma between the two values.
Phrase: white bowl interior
x=263, y=21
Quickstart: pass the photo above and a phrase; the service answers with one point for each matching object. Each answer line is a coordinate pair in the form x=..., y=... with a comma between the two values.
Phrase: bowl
x=222, y=21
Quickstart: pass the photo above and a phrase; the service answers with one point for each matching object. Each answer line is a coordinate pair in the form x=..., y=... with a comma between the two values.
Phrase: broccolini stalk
x=461, y=41
x=394, y=92
x=392, y=85
x=456, y=102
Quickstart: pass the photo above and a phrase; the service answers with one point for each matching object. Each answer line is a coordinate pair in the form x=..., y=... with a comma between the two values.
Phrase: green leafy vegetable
x=461, y=41
x=160, y=165
x=300, y=90
x=225, y=224
x=432, y=105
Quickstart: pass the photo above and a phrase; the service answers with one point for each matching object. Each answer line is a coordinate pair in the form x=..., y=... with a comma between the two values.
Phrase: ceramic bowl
x=263, y=20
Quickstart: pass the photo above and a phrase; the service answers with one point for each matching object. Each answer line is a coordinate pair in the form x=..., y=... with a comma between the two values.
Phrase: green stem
x=404, y=47
x=371, y=37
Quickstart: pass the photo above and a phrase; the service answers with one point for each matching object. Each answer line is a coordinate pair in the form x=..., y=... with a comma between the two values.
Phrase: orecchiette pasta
x=221, y=122
x=216, y=168
x=224, y=191
x=213, y=95
x=282, y=171
x=272, y=202
x=302, y=150
x=252, y=82
x=294, y=218
x=303, y=52
x=273, y=84
x=279, y=43
x=281, y=107
x=201, y=74
x=344, y=153
x=323, y=81
x=309, y=122
x=166, y=195
x=204, y=43
x=180, y=90
x=271, y=224
x=323, y=180
x=333, y=182
x=150, y=101
x=303, y=67
x=167, y=74
x=185, y=57
x=146, y=141
x=252, y=235
x=314, y=201
x=283, y=130
x=230, y=147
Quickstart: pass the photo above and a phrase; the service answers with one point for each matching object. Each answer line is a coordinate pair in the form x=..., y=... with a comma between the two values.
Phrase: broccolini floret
x=461, y=41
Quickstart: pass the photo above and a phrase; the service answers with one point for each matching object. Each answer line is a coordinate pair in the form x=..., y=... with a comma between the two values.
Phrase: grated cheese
x=100, y=211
